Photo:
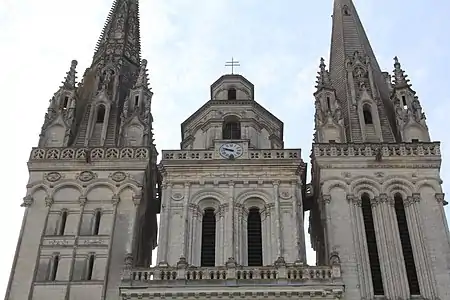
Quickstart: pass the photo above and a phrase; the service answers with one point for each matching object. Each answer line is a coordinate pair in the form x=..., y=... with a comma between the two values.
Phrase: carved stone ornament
x=177, y=196
x=118, y=176
x=285, y=195
x=53, y=176
x=86, y=176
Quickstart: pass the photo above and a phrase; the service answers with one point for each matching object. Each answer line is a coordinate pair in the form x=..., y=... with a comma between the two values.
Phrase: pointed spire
x=142, y=80
x=400, y=78
x=323, y=77
x=121, y=34
x=71, y=77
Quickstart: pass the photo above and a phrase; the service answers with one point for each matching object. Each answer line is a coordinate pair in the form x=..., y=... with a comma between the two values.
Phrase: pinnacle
x=142, y=80
x=400, y=78
x=71, y=77
x=323, y=77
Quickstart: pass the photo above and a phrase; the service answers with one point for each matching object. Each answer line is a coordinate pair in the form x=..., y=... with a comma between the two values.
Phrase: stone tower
x=231, y=221
x=378, y=201
x=92, y=194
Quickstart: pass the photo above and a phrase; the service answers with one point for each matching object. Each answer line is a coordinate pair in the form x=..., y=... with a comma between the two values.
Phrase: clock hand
x=228, y=149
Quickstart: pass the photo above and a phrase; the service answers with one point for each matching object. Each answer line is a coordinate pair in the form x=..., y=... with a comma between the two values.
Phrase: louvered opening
x=374, y=260
x=254, y=240
x=208, y=238
x=405, y=239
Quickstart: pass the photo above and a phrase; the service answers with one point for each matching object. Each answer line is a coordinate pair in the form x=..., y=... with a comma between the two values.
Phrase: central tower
x=232, y=190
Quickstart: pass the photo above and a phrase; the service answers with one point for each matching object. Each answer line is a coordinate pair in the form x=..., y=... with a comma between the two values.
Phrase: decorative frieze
x=289, y=154
x=89, y=154
x=370, y=150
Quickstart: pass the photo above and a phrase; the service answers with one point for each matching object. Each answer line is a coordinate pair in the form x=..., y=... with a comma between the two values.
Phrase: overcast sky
x=186, y=42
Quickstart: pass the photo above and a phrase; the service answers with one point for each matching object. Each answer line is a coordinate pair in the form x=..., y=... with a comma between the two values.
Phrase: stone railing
x=381, y=150
x=89, y=154
x=157, y=275
x=251, y=154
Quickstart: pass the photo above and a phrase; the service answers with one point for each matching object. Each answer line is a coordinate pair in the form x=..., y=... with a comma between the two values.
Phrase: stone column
x=395, y=247
x=131, y=225
x=230, y=226
x=220, y=237
x=238, y=249
x=278, y=233
x=441, y=202
x=359, y=240
x=379, y=224
x=299, y=253
x=192, y=220
x=428, y=287
x=166, y=190
x=267, y=237
x=185, y=231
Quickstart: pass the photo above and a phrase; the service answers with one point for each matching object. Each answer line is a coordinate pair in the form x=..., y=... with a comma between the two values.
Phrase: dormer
x=232, y=87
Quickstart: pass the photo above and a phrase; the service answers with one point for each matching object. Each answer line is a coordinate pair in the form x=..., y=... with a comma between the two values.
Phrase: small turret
x=329, y=121
x=408, y=110
x=60, y=114
x=136, y=118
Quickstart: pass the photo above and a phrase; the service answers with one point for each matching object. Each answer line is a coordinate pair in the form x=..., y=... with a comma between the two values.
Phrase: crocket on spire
x=121, y=34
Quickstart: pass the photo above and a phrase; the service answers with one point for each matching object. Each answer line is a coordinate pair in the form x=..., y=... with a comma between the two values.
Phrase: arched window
x=208, y=251
x=328, y=103
x=371, y=240
x=405, y=240
x=254, y=239
x=231, y=94
x=62, y=222
x=100, y=114
x=136, y=101
x=231, y=129
x=96, y=223
x=367, y=113
x=90, y=267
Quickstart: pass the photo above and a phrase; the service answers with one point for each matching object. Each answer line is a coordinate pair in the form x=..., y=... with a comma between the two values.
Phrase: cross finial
x=233, y=63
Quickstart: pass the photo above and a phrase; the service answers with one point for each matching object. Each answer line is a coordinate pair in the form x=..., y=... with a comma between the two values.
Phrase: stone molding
x=202, y=155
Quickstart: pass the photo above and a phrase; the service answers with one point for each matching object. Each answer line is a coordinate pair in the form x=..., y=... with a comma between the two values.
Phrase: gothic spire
x=354, y=70
x=120, y=36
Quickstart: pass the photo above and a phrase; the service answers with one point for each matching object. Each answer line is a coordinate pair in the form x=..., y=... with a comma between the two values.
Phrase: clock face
x=230, y=150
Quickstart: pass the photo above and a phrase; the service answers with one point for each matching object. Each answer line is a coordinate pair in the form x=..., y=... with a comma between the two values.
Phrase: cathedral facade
x=232, y=199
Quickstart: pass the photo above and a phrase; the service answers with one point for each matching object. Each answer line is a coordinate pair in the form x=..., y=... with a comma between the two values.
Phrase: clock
x=231, y=150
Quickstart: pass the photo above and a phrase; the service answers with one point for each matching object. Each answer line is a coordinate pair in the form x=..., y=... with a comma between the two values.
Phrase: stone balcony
x=286, y=280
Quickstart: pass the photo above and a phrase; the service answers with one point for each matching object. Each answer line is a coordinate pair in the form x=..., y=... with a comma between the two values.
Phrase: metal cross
x=233, y=63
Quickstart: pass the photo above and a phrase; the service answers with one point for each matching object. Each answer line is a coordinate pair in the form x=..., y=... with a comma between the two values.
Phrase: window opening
x=231, y=130
x=90, y=268
x=328, y=103
x=54, y=270
x=101, y=114
x=232, y=94
x=405, y=105
x=254, y=239
x=62, y=224
x=368, y=120
x=97, y=218
x=207, y=256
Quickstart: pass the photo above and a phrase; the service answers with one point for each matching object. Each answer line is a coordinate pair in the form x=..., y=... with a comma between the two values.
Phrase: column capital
x=82, y=200
x=375, y=201
x=27, y=201
x=276, y=183
x=440, y=198
x=351, y=198
x=384, y=198
x=115, y=199
x=187, y=184
x=231, y=183
x=416, y=197
x=137, y=199
x=49, y=201
x=326, y=199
